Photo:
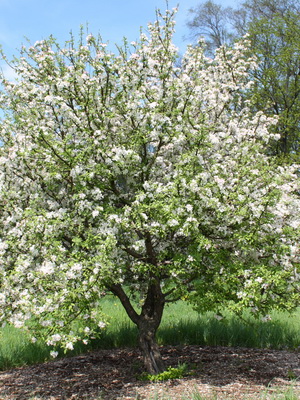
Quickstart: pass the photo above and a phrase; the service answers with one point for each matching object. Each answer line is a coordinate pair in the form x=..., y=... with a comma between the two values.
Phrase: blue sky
x=113, y=19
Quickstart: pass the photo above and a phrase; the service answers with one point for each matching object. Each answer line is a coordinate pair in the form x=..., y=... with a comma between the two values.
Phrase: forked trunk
x=147, y=322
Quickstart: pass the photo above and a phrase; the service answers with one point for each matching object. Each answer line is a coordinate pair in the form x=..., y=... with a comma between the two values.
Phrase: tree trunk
x=147, y=322
x=150, y=350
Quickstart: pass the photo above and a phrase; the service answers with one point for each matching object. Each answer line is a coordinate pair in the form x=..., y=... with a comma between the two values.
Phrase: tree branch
x=118, y=291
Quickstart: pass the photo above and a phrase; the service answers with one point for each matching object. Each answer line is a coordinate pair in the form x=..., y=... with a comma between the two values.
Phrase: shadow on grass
x=231, y=332
x=208, y=332
x=17, y=350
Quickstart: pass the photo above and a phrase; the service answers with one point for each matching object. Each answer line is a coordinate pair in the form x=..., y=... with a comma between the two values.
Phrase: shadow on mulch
x=111, y=374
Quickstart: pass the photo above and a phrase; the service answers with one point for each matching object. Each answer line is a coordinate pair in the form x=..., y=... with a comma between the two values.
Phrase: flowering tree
x=128, y=174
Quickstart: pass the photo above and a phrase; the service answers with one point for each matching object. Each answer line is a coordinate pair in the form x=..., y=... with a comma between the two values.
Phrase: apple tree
x=129, y=173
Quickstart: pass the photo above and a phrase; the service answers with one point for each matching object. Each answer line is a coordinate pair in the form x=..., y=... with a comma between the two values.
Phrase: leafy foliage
x=170, y=373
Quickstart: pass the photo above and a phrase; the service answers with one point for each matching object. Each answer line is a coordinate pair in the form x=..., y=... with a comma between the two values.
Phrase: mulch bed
x=226, y=372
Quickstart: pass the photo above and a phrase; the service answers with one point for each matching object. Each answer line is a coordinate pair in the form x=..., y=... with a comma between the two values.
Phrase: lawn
x=181, y=325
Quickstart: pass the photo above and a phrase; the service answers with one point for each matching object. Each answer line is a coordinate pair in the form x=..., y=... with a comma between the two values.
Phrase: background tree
x=126, y=174
x=274, y=30
x=275, y=41
x=211, y=20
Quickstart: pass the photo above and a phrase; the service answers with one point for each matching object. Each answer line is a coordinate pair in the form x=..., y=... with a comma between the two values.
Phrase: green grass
x=282, y=331
x=181, y=325
x=16, y=349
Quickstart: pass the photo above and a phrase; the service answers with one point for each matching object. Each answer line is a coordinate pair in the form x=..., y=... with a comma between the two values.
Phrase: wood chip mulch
x=223, y=372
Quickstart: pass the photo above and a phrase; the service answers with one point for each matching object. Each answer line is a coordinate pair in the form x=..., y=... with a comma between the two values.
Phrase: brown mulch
x=231, y=373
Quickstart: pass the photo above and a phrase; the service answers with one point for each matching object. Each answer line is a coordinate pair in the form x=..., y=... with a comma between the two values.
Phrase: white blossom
x=47, y=268
x=70, y=346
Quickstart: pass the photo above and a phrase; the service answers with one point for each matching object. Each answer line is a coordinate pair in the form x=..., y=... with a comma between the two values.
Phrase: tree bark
x=147, y=323
x=149, y=348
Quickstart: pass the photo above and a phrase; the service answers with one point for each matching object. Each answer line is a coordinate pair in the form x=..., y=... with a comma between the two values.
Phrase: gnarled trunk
x=147, y=322
x=150, y=350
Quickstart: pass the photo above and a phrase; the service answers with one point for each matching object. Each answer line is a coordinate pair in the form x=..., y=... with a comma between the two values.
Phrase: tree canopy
x=130, y=174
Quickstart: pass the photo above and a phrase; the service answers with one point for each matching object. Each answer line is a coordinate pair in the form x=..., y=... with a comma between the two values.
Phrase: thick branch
x=118, y=291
